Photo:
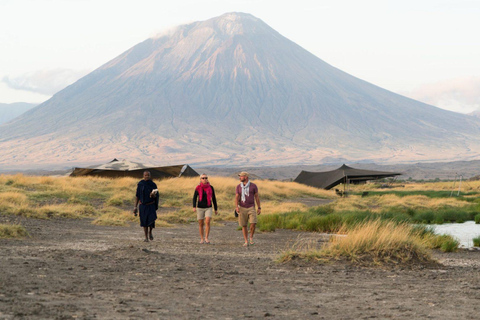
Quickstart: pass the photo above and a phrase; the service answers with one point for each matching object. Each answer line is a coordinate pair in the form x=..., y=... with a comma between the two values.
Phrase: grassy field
x=371, y=216
x=110, y=201
x=411, y=203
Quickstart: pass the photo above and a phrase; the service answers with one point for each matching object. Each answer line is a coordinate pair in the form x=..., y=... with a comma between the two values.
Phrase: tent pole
x=459, y=186
x=454, y=182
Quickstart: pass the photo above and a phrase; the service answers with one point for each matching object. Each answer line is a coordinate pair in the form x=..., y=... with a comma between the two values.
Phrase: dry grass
x=370, y=243
x=12, y=198
x=466, y=186
x=382, y=202
x=12, y=231
x=110, y=200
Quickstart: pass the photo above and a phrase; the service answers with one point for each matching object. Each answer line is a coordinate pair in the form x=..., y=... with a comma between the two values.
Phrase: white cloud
x=46, y=82
x=459, y=94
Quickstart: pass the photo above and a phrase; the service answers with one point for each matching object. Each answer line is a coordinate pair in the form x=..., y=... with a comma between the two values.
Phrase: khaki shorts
x=246, y=215
x=204, y=212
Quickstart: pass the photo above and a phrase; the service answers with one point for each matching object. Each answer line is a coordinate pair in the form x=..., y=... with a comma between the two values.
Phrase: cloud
x=459, y=94
x=168, y=32
x=46, y=82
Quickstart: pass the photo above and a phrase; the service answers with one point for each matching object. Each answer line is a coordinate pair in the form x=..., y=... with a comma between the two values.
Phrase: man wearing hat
x=245, y=197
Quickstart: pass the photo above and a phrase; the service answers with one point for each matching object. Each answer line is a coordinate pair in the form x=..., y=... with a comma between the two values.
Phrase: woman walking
x=205, y=194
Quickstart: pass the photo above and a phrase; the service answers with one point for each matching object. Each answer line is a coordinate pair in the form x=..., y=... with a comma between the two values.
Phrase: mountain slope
x=231, y=90
x=9, y=111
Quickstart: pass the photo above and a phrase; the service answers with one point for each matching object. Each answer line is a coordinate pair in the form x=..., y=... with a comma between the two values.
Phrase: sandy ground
x=70, y=269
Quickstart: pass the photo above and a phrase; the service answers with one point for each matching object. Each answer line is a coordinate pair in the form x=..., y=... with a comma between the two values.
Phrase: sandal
x=202, y=242
x=207, y=242
x=151, y=237
x=245, y=244
x=145, y=240
x=251, y=242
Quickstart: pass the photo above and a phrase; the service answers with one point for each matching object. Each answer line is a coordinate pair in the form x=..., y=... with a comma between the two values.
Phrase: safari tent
x=329, y=179
x=124, y=168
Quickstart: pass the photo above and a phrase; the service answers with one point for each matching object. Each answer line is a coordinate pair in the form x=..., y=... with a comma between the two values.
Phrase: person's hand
x=216, y=212
x=194, y=209
x=135, y=211
x=259, y=210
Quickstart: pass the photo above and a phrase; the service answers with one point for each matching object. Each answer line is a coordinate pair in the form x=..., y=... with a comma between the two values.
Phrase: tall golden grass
x=110, y=201
x=466, y=186
x=370, y=243
x=382, y=202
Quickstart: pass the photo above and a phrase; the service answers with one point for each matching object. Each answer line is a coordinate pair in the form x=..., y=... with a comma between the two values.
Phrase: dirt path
x=70, y=269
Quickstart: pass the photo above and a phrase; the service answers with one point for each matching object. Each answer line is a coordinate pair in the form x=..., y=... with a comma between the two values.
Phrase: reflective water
x=464, y=232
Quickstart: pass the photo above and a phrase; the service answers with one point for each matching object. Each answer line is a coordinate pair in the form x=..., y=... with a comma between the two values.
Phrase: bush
x=269, y=227
x=476, y=241
x=477, y=219
x=424, y=216
x=449, y=245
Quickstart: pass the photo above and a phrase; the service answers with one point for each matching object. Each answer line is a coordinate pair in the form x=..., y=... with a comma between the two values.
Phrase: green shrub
x=476, y=241
x=269, y=227
x=292, y=224
x=424, y=216
x=477, y=219
x=454, y=215
x=449, y=245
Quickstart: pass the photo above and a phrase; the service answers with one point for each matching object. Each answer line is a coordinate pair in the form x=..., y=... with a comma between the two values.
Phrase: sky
x=427, y=50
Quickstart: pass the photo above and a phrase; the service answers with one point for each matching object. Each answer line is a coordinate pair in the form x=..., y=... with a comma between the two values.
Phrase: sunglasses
x=204, y=178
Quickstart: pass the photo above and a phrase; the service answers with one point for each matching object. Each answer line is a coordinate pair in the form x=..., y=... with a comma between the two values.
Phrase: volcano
x=230, y=91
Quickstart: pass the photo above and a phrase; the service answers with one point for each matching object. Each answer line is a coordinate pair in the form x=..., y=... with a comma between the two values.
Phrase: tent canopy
x=124, y=168
x=329, y=179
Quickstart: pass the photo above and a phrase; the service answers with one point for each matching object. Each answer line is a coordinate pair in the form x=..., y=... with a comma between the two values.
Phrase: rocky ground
x=71, y=269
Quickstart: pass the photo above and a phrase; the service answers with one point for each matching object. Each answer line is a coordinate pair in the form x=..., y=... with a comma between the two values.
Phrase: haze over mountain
x=475, y=113
x=9, y=111
x=231, y=91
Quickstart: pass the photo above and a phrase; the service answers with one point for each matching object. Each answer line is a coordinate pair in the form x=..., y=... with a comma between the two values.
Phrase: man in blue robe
x=147, y=197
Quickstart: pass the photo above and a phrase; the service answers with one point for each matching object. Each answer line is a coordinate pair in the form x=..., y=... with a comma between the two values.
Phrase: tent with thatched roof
x=124, y=168
x=329, y=179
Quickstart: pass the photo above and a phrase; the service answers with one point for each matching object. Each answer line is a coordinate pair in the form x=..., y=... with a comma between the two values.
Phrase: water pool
x=463, y=232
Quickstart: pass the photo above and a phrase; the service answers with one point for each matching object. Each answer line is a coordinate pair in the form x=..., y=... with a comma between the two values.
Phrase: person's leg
x=252, y=231
x=245, y=235
x=200, y=229
x=145, y=229
x=150, y=233
x=207, y=229
x=252, y=218
x=242, y=222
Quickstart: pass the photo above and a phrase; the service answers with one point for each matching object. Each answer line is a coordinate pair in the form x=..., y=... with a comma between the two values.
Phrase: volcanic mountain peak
x=231, y=90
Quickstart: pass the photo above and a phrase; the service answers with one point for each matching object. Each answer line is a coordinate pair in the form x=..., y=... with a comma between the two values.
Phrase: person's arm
x=195, y=195
x=136, y=205
x=214, y=200
x=236, y=201
x=157, y=197
x=257, y=200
